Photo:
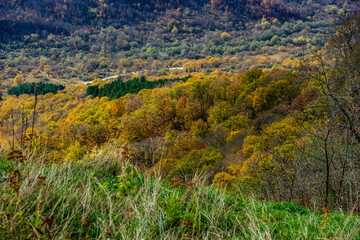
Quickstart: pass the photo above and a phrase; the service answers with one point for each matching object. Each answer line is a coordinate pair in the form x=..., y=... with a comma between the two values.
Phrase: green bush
x=197, y=162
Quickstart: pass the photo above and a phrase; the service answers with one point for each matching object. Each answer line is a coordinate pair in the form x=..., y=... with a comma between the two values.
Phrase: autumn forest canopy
x=179, y=119
x=66, y=16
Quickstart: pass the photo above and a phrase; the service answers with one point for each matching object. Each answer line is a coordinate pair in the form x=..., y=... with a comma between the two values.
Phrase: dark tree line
x=32, y=88
x=119, y=88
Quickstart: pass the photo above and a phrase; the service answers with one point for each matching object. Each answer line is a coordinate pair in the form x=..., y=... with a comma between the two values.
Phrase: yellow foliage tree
x=19, y=79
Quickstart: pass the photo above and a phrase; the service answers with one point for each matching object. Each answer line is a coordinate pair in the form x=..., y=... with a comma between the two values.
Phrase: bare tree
x=333, y=143
x=338, y=73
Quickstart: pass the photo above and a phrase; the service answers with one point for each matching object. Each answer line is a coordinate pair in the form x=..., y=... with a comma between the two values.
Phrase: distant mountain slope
x=20, y=17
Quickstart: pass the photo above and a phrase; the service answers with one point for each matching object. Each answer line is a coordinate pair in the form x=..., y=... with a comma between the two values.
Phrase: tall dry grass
x=83, y=200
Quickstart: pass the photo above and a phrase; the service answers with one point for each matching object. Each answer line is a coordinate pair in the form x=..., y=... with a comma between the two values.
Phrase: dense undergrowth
x=105, y=197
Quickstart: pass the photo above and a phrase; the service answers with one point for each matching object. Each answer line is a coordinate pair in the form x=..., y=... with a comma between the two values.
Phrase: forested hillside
x=273, y=132
x=19, y=17
x=179, y=119
x=74, y=41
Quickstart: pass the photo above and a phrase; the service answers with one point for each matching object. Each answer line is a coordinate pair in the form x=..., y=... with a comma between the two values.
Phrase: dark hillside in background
x=23, y=17
x=78, y=39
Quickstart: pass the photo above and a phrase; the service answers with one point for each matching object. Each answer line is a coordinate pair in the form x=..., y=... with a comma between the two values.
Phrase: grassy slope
x=83, y=200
